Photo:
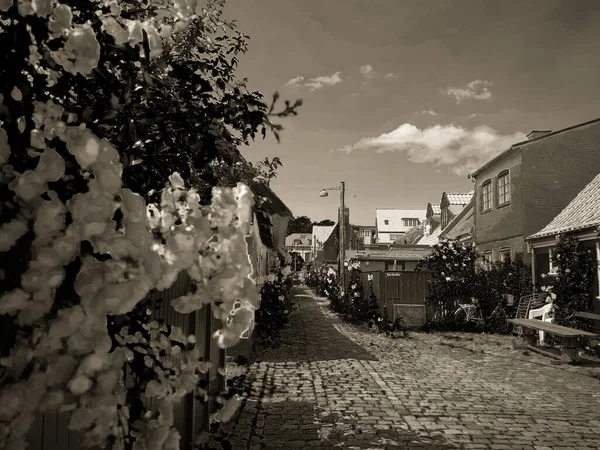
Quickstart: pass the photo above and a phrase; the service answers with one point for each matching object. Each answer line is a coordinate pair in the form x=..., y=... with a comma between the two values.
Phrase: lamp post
x=342, y=229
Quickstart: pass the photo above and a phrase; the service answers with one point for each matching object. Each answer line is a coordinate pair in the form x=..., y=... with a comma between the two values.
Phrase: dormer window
x=411, y=222
x=297, y=242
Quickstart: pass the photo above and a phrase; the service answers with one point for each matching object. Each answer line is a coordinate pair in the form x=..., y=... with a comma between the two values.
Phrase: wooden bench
x=590, y=316
x=570, y=337
x=587, y=315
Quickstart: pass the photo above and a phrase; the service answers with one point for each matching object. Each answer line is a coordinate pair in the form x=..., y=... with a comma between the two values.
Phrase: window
x=297, y=242
x=393, y=237
x=486, y=196
x=503, y=188
x=553, y=268
x=386, y=222
x=504, y=254
x=411, y=222
x=367, y=233
x=488, y=258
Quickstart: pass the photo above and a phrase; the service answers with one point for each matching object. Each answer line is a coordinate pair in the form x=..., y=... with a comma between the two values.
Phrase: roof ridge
x=527, y=141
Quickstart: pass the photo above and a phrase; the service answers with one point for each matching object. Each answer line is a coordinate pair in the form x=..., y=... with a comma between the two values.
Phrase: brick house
x=392, y=224
x=522, y=189
x=580, y=218
x=325, y=242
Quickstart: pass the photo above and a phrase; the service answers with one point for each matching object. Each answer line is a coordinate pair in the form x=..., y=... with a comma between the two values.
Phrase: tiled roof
x=305, y=238
x=437, y=209
x=432, y=239
x=582, y=212
x=412, y=235
x=320, y=233
x=459, y=199
x=394, y=218
x=412, y=254
x=462, y=224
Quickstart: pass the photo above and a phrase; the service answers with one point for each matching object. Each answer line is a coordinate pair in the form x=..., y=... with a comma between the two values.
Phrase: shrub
x=452, y=269
x=574, y=284
x=358, y=305
x=276, y=305
x=456, y=278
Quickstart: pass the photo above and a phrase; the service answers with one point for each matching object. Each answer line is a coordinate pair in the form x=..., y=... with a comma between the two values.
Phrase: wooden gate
x=405, y=296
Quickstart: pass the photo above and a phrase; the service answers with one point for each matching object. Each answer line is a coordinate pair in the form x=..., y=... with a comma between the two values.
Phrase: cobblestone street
x=335, y=385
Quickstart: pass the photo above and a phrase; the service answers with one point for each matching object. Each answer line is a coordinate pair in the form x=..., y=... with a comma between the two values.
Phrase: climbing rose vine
x=64, y=197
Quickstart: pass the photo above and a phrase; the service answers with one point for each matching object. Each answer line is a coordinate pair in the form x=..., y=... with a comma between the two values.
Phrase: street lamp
x=342, y=228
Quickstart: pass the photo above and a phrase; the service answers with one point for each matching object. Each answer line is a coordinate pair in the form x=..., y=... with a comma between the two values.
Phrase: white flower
x=448, y=279
x=80, y=385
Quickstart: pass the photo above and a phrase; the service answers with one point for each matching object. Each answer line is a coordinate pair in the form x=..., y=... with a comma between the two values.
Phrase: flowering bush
x=94, y=217
x=456, y=279
x=452, y=269
x=358, y=305
x=317, y=280
x=276, y=306
x=573, y=287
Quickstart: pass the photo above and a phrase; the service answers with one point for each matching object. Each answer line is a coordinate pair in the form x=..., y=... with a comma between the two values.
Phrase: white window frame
x=506, y=200
x=551, y=268
x=367, y=233
x=503, y=252
x=486, y=185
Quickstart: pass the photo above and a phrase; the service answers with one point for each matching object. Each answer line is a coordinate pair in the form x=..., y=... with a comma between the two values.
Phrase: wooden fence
x=50, y=430
x=403, y=293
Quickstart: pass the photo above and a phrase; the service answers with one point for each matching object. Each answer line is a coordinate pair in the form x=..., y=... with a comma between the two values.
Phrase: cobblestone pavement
x=335, y=385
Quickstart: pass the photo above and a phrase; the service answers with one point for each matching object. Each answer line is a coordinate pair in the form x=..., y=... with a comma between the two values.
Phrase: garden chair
x=526, y=303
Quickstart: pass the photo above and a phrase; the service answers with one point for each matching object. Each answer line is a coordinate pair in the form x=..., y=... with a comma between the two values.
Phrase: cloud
x=313, y=84
x=459, y=149
x=429, y=112
x=367, y=71
x=475, y=90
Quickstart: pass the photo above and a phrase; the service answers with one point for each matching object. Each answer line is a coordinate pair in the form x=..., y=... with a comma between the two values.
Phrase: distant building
x=524, y=188
x=301, y=244
x=366, y=233
x=392, y=224
x=443, y=220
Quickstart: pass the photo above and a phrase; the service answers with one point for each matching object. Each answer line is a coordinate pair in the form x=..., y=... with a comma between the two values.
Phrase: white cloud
x=460, y=149
x=429, y=112
x=475, y=90
x=367, y=71
x=390, y=75
x=316, y=83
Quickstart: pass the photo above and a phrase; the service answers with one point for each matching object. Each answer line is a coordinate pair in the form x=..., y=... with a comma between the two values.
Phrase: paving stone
x=335, y=385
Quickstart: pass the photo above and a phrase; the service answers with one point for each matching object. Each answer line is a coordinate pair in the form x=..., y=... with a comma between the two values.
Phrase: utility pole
x=342, y=226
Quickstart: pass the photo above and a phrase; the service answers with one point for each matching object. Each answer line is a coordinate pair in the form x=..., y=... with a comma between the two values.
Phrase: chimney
x=537, y=133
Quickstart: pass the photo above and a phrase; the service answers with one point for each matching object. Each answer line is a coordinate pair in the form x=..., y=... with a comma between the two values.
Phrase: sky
x=404, y=98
